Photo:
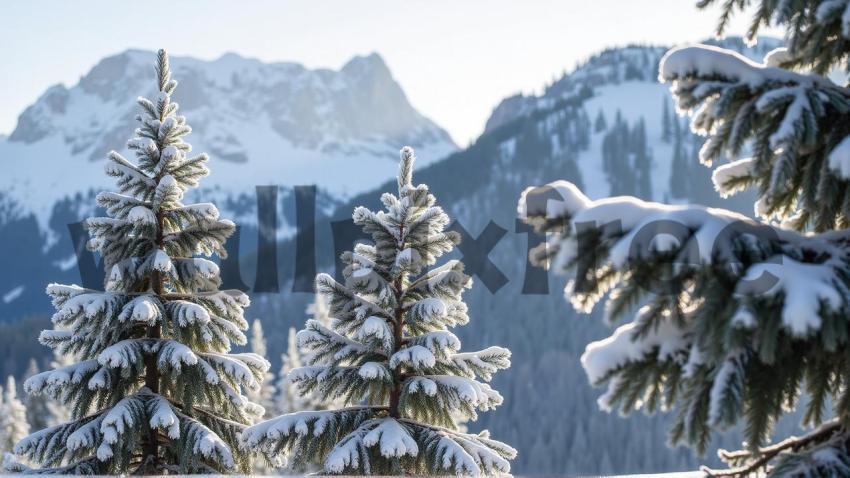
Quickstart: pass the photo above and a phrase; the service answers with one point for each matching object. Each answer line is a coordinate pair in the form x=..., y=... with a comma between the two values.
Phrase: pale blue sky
x=455, y=59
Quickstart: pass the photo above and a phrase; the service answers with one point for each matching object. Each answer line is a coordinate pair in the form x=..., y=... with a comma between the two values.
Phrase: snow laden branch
x=726, y=319
x=788, y=127
x=817, y=32
x=155, y=389
x=387, y=352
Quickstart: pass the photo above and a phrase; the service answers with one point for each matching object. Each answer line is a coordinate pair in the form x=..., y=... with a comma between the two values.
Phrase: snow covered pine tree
x=743, y=318
x=13, y=417
x=155, y=390
x=264, y=395
x=390, y=355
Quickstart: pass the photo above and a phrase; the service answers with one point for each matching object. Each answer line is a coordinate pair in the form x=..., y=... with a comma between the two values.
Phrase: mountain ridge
x=302, y=121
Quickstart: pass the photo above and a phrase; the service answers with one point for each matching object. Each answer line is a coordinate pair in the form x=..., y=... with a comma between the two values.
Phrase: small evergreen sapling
x=154, y=389
x=264, y=395
x=38, y=411
x=289, y=398
x=13, y=417
x=389, y=354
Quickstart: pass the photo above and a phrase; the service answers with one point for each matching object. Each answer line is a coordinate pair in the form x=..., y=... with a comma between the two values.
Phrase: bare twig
x=764, y=455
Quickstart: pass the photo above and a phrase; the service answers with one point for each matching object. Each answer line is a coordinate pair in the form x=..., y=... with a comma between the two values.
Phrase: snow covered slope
x=261, y=123
x=618, y=81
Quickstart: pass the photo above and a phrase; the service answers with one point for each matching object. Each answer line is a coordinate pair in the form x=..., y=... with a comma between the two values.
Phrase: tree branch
x=768, y=453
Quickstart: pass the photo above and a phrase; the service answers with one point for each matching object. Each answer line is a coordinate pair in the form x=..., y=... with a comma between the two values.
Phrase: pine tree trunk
x=398, y=336
x=150, y=462
x=398, y=328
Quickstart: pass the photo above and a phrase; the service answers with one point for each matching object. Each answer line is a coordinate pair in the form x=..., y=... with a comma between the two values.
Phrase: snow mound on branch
x=373, y=371
x=374, y=327
x=141, y=215
x=120, y=418
x=721, y=176
x=468, y=390
x=839, y=158
x=211, y=446
x=602, y=357
x=393, y=438
x=556, y=199
x=416, y=356
x=807, y=288
x=426, y=385
x=163, y=417
x=160, y=261
x=144, y=309
x=707, y=60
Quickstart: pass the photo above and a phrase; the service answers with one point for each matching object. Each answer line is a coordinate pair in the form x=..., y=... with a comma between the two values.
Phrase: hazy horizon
x=455, y=63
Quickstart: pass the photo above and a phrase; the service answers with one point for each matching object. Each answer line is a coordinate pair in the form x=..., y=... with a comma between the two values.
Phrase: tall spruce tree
x=154, y=389
x=732, y=320
x=390, y=355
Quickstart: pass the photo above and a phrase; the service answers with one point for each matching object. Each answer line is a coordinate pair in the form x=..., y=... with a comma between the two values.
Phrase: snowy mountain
x=261, y=123
x=617, y=81
x=277, y=123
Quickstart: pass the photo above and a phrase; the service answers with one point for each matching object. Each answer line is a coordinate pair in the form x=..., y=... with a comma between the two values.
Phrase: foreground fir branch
x=388, y=353
x=732, y=321
x=154, y=389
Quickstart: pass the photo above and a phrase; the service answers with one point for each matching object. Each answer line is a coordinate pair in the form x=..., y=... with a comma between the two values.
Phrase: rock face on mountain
x=280, y=121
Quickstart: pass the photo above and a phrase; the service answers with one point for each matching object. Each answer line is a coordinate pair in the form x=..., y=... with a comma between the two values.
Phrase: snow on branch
x=703, y=281
x=602, y=357
x=121, y=417
x=131, y=179
x=787, y=121
x=348, y=308
x=392, y=438
x=295, y=430
x=461, y=453
x=710, y=61
x=59, y=377
x=328, y=347
x=124, y=353
x=416, y=357
x=733, y=177
x=441, y=343
x=376, y=329
x=162, y=416
x=454, y=389
x=483, y=363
